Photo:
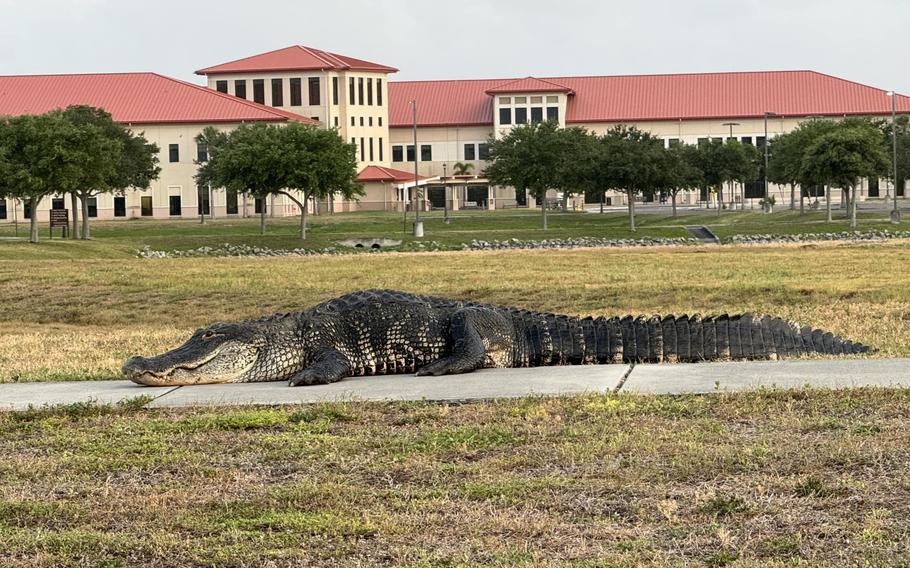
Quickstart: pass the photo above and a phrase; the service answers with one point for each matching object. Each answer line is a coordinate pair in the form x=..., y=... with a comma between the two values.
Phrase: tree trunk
x=33, y=220
x=603, y=197
x=303, y=211
x=851, y=202
x=828, y=203
x=720, y=198
x=262, y=215
x=631, y=212
x=243, y=198
x=673, y=201
x=565, y=201
x=543, y=209
x=84, y=199
x=792, y=196
x=802, y=201
x=74, y=204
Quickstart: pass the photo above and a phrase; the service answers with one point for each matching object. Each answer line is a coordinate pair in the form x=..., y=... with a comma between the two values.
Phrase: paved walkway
x=486, y=384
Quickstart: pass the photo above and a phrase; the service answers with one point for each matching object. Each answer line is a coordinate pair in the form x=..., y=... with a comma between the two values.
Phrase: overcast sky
x=863, y=40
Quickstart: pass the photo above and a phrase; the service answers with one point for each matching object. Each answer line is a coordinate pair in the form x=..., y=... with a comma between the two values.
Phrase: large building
x=455, y=120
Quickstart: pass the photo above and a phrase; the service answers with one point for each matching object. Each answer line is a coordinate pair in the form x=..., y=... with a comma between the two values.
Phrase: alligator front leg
x=480, y=338
x=329, y=367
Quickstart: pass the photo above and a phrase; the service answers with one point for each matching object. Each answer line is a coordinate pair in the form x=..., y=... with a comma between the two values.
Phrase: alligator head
x=220, y=353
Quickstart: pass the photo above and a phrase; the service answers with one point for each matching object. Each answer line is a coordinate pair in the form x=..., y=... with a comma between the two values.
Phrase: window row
x=173, y=153
x=314, y=90
x=364, y=89
x=521, y=115
x=472, y=151
x=368, y=121
x=366, y=144
x=535, y=100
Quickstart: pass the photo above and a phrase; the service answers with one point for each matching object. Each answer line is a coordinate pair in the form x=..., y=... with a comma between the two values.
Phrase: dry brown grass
x=66, y=319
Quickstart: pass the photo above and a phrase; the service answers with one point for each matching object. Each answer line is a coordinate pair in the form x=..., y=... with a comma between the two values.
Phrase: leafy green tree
x=577, y=163
x=528, y=158
x=787, y=151
x=903, y=148
x=850, y=151
x=679, y=171
x=721, y=162
x=630, y=161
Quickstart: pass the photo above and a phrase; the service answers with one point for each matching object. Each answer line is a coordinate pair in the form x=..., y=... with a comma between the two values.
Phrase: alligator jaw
x=136, y=370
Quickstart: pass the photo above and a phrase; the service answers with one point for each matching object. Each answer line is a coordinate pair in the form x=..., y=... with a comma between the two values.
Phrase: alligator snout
x=139, y=370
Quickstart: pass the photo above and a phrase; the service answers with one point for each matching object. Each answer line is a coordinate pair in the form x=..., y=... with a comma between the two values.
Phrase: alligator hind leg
x=480, y=337
x=330, y=367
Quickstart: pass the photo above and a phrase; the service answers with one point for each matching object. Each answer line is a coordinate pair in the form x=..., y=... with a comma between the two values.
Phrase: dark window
x=221, y=86
x=277, y=92
x=119, y=206
x=901, y=187
x=231, y=202
x=536, y=114
x=702, y=141
x=145, y=205
x=202, y=152
x=673, y=142
x=296, y=93
x=483, y=151
x=553, y=114
x=360, y=90
x=470, y=152
x=505, y=115
x=410, y=156
x=259, y=91
x=426, y=153
x=370, y=92
x=240, y=88
x=313, y=84
x=352, y=120
x=92, y=206
x=2, y=209
x=760, y=141
x=521, y=115
x=259, y=205
x=27, y=208
x=57, y=203
x=175, y=208
x=336, y=122
x=370, y=122
x=362, y=149
x=351, y=91
x=380, y=149
x=202, y=203
x=173, y=153
x=334, y=90
x=746, y=140
x=873, y=187
x=361, y=121
x=397, y=153
x=380, y=120
x=371, y=148
x=379, y=93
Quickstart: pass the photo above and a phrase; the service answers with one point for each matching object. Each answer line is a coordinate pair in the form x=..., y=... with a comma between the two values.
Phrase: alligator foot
x=330, y=367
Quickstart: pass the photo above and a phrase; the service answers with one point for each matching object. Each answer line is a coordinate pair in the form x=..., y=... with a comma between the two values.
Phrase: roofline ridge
x=856, y=83
x=318, y=54
x=200, y=71
x=84, y=74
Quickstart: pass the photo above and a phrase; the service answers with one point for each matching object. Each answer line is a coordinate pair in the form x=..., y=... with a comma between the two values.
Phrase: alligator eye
x=208, y=335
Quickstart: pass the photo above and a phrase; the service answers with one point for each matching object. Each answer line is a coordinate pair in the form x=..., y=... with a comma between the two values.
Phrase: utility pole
x=418, y=226
x=895, y=214
x=445, y=193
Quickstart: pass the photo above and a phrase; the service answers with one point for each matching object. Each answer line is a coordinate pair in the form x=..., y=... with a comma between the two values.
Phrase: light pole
x=767, y=114
x=445, y=194
x=418, y=226
x=895, y=214
x=732, y=189
x=731, y=125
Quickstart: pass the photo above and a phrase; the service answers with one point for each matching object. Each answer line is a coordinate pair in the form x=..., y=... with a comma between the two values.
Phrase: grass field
x=121, y=239
x=774, y=478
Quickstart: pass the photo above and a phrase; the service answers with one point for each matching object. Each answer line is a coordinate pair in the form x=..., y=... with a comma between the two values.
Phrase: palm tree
x=462, y=169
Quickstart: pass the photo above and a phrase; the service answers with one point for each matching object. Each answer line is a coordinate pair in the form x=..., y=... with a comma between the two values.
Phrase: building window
x=536, y=114
x=336, y=122
x=335, y=91
x=672, y=142
x=470, y=152
x=380, y=149
x=553, y=114
x=426, y=153
x=505, y=115
x=370, y=122
x=360, y=90
x=173, y=153
x=352, y=120
x=202, y=203
x=746, y=140
x=521, y=115
x=145, y=205
x=277, y=92
x=2, y=209
x=92, y=206
x=410, y=153
x=27, y=208
x=351, y=91
x=240, y=88
x=483, y=151
x=702, y=141
x=370, y=92
x=296, y=94
x=362, y=150
x=231, y=202
x=371, y=148
x=259, y=91
x=202, y=152
x=521, y=100
x=380, y=120
x=119, y=206
x=57, y=203
x=361, y=121
x=221, y=86
x=552, y=99
x=505, y=100
x=397, y=153
x=760, y=141
x=175, y=208
x=313, y=84
x=873, y=187
x=379, y=93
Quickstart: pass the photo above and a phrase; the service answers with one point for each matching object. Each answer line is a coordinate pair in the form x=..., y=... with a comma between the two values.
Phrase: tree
x=577, y=162
x=903, y=148
x=679, y=171
x=721, y=162
x=462, y=168
x=787, y=151
x=851, y=151
x=629, y=160
x=528, y=158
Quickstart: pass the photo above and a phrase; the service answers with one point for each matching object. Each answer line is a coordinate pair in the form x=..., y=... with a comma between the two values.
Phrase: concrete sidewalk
x=486, y=384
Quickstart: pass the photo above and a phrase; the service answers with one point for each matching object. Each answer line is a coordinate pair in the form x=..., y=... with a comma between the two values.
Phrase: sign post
x=60, y=218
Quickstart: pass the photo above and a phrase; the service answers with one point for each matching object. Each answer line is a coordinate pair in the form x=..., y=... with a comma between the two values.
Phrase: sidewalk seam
x=622, y=380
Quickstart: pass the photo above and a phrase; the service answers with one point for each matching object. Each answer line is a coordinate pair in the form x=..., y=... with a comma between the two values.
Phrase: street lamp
x=418, y=226
x=731, y=125
x=895, y=214
x=767, y=114
x=445, y=194
x=742, y=203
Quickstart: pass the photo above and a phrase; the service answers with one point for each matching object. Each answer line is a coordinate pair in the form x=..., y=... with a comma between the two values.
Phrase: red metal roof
x=528, y=85
x=633, y=98
x=295, y=58
x=379, y=173
x=133, y=98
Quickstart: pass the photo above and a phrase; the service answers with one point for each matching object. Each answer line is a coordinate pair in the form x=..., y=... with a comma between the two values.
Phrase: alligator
x=376, y=332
